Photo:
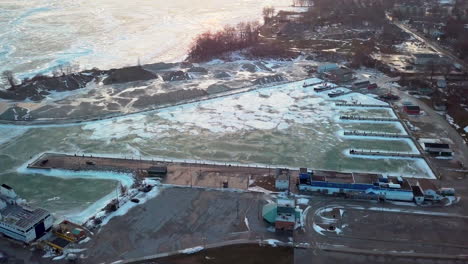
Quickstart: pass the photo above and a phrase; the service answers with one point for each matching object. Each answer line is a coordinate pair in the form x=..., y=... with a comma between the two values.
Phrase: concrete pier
x=375, y=134
x=384, y=153
x=362, y=105
x=202, y=174
x=362, y=118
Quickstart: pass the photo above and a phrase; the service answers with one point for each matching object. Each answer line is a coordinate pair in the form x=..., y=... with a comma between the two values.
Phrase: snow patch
x=318, y=229
x=272, y=242
x=246, y=221
x=192, y=250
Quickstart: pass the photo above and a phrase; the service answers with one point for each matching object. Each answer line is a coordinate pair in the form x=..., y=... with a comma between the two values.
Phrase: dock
x=363, y=105
x=362, y=118
x=305, y=84
x=323, y=89
x=201, y=174
x=375, y=134
x=384, y=153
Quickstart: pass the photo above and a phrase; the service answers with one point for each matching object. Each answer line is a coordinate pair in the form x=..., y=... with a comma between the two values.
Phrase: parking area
x=177, y=219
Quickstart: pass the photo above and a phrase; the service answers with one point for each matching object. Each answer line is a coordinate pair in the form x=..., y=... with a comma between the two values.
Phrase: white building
x=21, y=222
x=282, y=179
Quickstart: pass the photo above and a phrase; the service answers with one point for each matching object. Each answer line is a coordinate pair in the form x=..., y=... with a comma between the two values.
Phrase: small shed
x=412, y=109
x=282, y=179
x=157, y=171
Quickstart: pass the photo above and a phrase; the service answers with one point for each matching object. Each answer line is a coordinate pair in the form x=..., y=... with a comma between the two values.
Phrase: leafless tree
x=268, y=13
x=209, y=45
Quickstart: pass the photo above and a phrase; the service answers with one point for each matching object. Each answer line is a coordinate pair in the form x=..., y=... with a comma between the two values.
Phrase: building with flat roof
x=286, y=215
x=283, y=214
x=438, y=149
x=19, y=221
x=412, y=109
x=282, y=179
x=365, y=185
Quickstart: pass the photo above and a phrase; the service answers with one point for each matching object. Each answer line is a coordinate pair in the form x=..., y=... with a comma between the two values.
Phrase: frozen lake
x=37, y=35
x=281, y=125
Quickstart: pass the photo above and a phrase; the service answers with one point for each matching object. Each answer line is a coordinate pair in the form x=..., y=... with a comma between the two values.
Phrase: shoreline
x=74, y=121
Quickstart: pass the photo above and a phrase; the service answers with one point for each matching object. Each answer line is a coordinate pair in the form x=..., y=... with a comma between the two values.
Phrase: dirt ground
x=177, y=219
x=246, y=254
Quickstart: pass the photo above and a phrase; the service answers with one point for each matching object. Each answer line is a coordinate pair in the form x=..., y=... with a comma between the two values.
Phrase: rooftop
x=285, y=202
x=436, y=145
x=22, y=217
x=366, y=178
x=426, y=55
x=333, y=176
x=405, y=185
x=356, y=178
x=426, y=184
x=286, y=218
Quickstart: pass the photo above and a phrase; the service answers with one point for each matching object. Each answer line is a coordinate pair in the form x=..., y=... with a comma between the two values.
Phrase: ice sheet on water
x=10, y=132
x=125, y=179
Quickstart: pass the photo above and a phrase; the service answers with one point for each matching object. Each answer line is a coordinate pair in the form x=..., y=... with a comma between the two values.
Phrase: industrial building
x=283, y=214
x=356, y=184
x=438, y=149
x=21, y=222
x=370, y=186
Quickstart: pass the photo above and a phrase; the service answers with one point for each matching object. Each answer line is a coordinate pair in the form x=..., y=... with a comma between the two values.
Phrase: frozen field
x=281, y=125
x=37, y=35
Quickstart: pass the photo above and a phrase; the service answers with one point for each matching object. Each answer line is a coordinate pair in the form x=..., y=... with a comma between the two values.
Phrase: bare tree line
x=268, y=13
x=209, y=45
x=57, y=71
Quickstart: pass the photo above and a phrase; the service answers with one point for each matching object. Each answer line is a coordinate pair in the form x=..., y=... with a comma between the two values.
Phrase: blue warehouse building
x=363, y=185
